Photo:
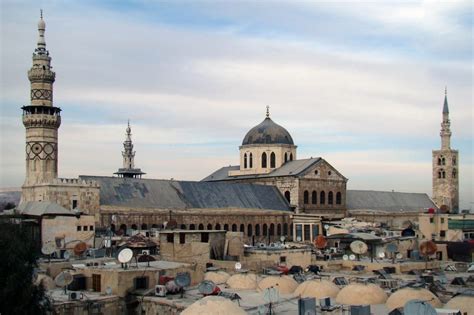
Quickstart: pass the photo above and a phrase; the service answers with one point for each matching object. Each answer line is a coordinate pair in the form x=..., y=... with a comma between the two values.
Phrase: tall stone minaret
x=446, y=168
x=128, y=155
x=41, y=119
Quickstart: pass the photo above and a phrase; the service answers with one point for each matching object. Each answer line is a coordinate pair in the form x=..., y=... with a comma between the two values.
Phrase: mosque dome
x=218, y=277
x=463, y=303
x=214, y=305
x=317, y=289
x=361, y=294
x=243, y=281
x=402, y=296
x=268, y=132
x=284, y=284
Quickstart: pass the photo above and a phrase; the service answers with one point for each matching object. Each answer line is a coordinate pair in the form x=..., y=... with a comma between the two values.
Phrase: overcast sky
x=361, y=85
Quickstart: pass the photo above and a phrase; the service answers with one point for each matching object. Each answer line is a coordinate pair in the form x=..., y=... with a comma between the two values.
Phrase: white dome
x=361, y=294
x=213, y=305
x=219, y=277
x=464, y=303
x=243, y=281
x=402, y=296
x=284, y=284
x=317, y=289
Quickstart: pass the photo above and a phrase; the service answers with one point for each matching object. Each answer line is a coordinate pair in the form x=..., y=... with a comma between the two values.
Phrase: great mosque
x=269, y=194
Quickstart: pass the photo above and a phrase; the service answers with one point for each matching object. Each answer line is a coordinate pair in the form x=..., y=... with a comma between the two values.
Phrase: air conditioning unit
x=73, y=296
x=360, y=310
x=307, y=306
x=146, y=252
x=160, y=290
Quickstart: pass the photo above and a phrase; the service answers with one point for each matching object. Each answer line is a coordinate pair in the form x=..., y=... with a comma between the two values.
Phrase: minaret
x=446, y=167
x=41, y=119
x=128, y=155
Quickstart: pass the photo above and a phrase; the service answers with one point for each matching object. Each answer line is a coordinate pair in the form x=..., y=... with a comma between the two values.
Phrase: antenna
x=66, y=255
x=63, y=280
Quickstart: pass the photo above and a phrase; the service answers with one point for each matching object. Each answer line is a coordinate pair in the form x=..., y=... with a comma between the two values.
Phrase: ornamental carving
x=41, y=94
x=40, y=150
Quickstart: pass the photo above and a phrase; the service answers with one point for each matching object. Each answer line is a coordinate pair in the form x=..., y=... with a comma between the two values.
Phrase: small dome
x=284, y=284
x=361, y=294
x=268, y=132
x=317, y=289
x=401, y=297
x=463, y=303
x=243, y=281
x=219, y=277
x=213, y=305
x=41, y=24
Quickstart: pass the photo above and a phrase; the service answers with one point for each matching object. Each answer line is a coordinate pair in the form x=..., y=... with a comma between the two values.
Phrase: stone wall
x=446, y=179
x=70, y=229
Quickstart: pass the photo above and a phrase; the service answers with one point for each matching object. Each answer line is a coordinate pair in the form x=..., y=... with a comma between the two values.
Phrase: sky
x=359, y=83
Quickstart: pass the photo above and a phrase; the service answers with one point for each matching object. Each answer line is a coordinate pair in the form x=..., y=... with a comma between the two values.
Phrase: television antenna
x=282, y=239
x=63, y=279
x=124, y=256
x=270, y=297
x=399, y=256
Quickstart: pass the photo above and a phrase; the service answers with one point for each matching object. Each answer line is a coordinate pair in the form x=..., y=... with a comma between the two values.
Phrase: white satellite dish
x=238, y=266
x=399, y=256
x=345, y=257
x=114, y=218
x=352, y=257
x=381, y=255
x=298, y=238
x=326, y=227
x=282, y=238
x=63, y=279
x=67, y=255
x=108, y=291
x=48, y=248
x=359, y=247
x=125, y=255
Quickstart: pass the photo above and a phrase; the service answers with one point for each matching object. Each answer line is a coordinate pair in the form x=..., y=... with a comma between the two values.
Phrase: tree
x=18, y=294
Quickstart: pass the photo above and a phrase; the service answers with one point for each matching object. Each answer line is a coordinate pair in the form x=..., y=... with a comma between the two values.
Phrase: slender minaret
x=41, y=119
x=446, y=167
x=128, y=155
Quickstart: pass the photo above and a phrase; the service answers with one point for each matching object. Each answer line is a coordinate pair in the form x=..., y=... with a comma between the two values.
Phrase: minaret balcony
x=41, y=75
x=41, y=116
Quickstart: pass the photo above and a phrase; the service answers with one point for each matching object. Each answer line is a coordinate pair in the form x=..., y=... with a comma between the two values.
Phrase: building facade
x=446, y=168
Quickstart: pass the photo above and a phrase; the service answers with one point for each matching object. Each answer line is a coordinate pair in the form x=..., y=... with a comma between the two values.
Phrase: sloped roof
x=171, y=194
x=291, y=168
x=387, y=201
x=39, y=208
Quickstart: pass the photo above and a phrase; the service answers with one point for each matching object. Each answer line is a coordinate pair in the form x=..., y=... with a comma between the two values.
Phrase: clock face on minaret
x=41, y=118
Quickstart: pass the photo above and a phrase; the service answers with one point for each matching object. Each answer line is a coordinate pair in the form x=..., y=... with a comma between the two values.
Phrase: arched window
x=279, y=229
x=272, y=160
x=454, y=173
x=306, y=197
x=285, y=229
x=218, y=226
x=291, y=156
x=443, y=161
x=134, y=227
x=234, y=227
x=454, y=160
x=287, y=195
x=272, y=229
x=338, y=198
x=439, y=161
x=144, y=226
x=123, y=227
x=286, y=157
x=439, y=174
x=322, y=197
x=242, y=228
x=201, y=227
x=249, y=230
x=314, y=197
x=257, y=230
x=245, y=160
x=250, y=160
x=330, y=198
x=112, y=228
x=264, y=160
x=183, y=227
x=265, y=229
x=192, y=227
x=226, y=227
x=443, y=174
x=154, y=226
x=209, y=226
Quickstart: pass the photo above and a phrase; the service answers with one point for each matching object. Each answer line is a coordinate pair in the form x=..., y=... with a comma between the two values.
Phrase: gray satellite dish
x=326, y=226
x=125, y=255
x=282, y=239
x=183, y=279
x=359, y=247
x=63, y=279
x=206, y=287
x=67, y=255
x=108, y=291
x=416, y=307
x=48, y=248
x=392, y=248
x=399, y=256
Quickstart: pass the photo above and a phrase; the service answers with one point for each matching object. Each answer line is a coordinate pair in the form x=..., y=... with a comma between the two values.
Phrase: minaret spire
x=128, y=155
x=445, y=124
x=268, y=112
x=41, y=45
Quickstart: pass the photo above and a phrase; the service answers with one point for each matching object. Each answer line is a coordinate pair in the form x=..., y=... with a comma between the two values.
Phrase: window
x=287, y=196
x=218, y=226
x=91, y=228
x=329, y=173
x=201, y=227
x=183, y=227
x=123, y=227
x=442, y=220
x=204, y=237
x=144, y=226
x=192, y=227
x=282, y=259
x=439, y=161
x=79, y=228
x=226, y=227
x=322, y=198
x=272, y=229
x=307, y=232
x=140, y=283
x=84, y=228
x=439, y=174
x=315, y=231
x=454, y=160
x=249, y=230
x=443, y=174
x=264, y=160
x=285, y=229
x=265, y=229
x=306, y=197
x=209, y=226
x=182, y=238
x=272, y=160
x=250, y=161
x=338, y=198
x=454, y=173
x=314, y=197
x=96, y=282
x=257, y=230
x=134, y=226
x=170, y=238
x=242, y=228
x=74, y=204
x=299, y=232
x=286, y=157
x=431, y=220
x=291, y=156
x=278, y=229
x=245, y=160
x=330, y=198
x=316, y=172
x=442, y=233
x=443, y=161
x=234, y=227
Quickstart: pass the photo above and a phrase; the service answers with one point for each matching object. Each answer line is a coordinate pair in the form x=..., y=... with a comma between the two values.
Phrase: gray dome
x=268, y=132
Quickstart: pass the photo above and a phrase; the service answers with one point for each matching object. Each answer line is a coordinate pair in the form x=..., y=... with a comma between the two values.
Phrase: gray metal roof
x=291, y=168
x=171, y=194
x=268, y=132
x=39, y=208
x=387, y=201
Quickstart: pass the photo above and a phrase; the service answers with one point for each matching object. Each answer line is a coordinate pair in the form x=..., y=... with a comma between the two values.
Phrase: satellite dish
x=63, y=279
x=261, y=245
x=282, y=238
x=392, y=248
x=359, y=247
x=66, y=255
x=208, y=287
x=345, y=257
x=108, y=291
x=321, y=242
x=114, y=218
x=413, y=307
x=381, y=255
x=48, y=248
x=399, y=256
x=183, y=279
x=238, y=266
x=298, y=238
x=352, y=257
x=326, y=227
x=125, y=255
x=373, y=232
x=80, y=248
x=428, y=248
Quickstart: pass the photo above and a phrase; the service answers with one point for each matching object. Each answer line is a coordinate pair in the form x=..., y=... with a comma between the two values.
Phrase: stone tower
x=128, y=155
x=41, y=119
x=446, y=168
